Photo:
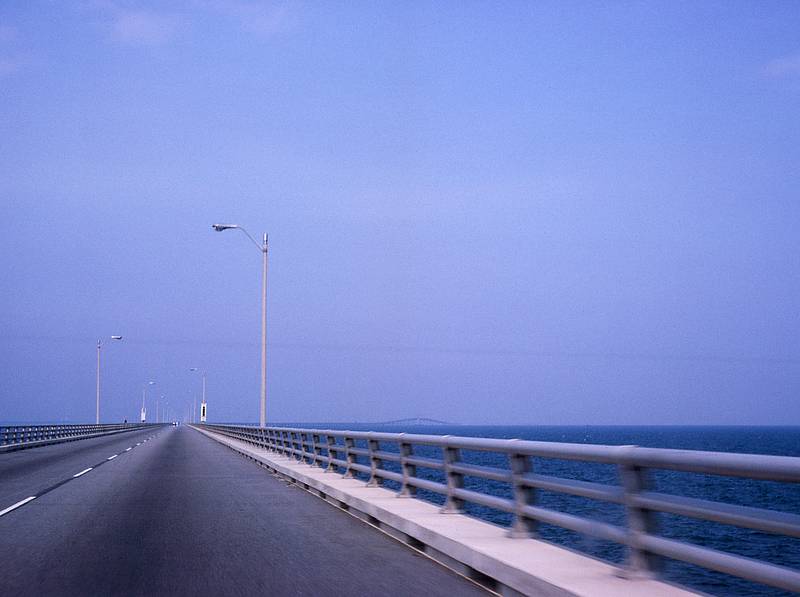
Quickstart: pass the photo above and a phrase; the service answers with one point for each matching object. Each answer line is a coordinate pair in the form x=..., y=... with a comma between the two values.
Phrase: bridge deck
x=181, y=514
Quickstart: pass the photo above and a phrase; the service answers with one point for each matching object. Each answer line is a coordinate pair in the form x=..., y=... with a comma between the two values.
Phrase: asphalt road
x=180, y=514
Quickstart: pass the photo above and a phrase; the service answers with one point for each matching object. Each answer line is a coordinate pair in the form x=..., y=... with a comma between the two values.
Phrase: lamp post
x=194, y=400
x=144, y=396
x=97, y=404
x=263, y=248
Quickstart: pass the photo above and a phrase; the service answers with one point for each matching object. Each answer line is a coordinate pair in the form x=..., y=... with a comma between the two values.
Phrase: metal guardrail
x=20, y=435
x=337, y=451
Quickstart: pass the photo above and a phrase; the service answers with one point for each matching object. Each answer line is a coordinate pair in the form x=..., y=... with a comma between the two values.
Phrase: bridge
x=155, y=509
x=415, y=421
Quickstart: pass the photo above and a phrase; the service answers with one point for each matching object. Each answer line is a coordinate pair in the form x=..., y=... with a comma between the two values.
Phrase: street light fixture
x=263, y=248
x=144, y=396
x=97, y=404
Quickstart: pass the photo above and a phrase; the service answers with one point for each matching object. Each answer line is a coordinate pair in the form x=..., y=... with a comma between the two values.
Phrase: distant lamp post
x=144, y=398
x=263, y=248
x=194, y=401
x=97, y=404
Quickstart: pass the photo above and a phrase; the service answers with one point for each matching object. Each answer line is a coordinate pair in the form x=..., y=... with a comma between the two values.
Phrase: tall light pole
x=263, y=248
x=144, y=396
x=194, y=400
x=97, y=405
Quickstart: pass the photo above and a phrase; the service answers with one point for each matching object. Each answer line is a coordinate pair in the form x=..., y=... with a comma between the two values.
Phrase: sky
x=491, y=213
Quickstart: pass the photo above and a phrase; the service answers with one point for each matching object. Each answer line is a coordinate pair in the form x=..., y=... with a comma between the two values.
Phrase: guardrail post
x=641, y=563
x=409, y=470
x=315, y=441
x=285, y=442
x=333, y=453
x=374, y=463
x=267, y=435
x=523, y=496
x=284, y=439
x=273, y=440
x=302, y=438
x=452, y=505
x=294, y=436
x=349, y=443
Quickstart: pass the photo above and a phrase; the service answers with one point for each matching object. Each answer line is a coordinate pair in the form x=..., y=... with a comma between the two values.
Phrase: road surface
x=180, y=514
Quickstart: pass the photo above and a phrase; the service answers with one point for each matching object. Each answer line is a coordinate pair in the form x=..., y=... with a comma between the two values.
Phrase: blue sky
x=562, y=213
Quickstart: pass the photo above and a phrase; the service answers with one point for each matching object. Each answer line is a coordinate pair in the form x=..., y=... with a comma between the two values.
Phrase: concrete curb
x=476, y=549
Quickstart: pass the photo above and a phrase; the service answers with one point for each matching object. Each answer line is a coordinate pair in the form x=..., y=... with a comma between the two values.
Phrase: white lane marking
x=112, y=457
x=17, y=505
x=139, y=444
x=127, y=449
x=82, y=472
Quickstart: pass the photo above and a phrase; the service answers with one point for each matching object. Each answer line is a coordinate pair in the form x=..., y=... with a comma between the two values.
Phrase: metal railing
x=20, y=435
x=339, y=451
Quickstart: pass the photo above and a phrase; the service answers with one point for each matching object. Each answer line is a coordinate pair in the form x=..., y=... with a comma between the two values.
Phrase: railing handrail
x=322, y=447
x=753, y=466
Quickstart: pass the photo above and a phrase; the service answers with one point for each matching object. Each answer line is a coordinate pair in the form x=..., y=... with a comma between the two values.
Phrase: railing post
x=452, y=505
x=310, y=453
x=302, y=439
x=307, y=455
x=285, y=442
x=333, y=453
x=317, y=449
x=408, y=470
x=523, y=496
x=374, y=463
x=349, y=444
x=641, y=563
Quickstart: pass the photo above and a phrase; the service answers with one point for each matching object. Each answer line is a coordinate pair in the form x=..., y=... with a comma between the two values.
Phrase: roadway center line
x=112, y=457
x=83, y=472
x=17, y=505
x=127, y=449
